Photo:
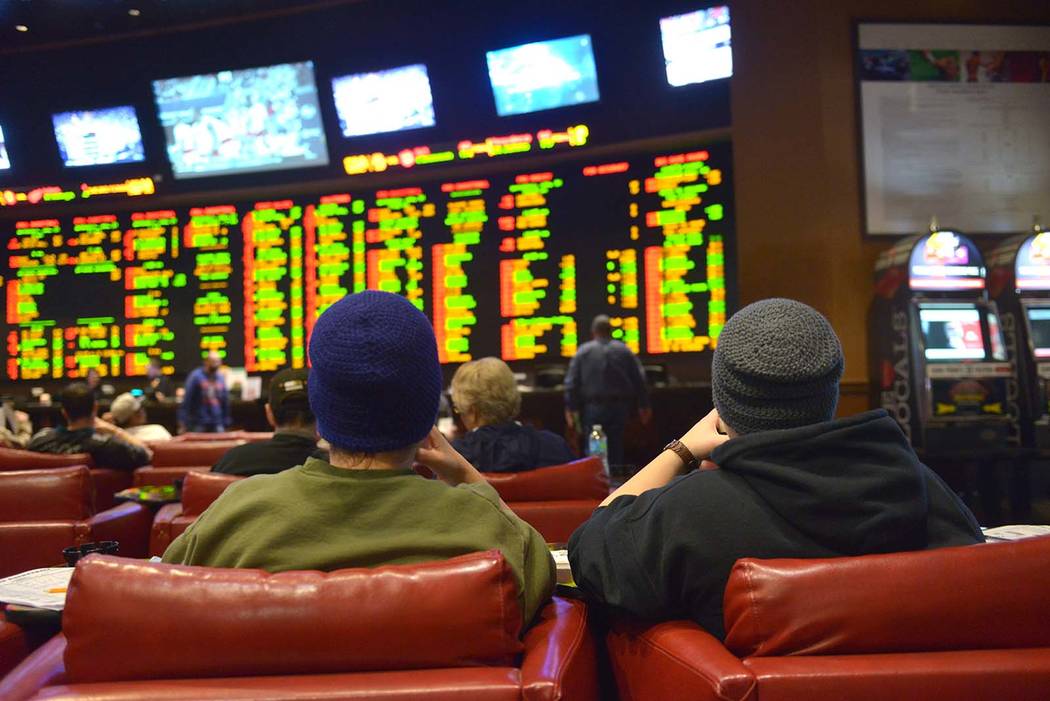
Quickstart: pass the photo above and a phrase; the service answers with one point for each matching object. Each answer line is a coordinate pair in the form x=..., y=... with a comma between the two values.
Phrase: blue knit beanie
x=777, y=365
x=375, y=381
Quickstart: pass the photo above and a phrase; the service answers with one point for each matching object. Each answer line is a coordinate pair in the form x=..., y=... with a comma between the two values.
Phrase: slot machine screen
x=952, y=332
x=543, y=75
x=99, y=137
x=697, y=46
x=384, y=101
x=242, y=121
x=1039, y=330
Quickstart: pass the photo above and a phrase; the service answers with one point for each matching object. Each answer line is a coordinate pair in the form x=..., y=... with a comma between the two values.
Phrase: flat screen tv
x=543, y=75
x=383, y=101
x=242, y=121
x=99, y=137
x=697, y=46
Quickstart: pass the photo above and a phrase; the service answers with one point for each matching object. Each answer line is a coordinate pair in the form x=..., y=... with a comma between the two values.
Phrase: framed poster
x=955, y=124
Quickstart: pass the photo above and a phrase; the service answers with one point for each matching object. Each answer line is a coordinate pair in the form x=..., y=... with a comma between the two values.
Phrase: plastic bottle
x=598, y=445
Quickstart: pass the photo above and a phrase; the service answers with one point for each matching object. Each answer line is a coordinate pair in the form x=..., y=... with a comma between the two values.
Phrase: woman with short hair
x=486, y=397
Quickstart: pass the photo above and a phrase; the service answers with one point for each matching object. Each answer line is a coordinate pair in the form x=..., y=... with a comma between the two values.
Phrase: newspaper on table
x=44, y=588
x=1015, y=532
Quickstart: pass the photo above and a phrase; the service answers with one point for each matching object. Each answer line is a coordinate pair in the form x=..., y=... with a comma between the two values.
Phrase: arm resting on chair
x=127, y=523
x=42, y=668
x=676, y=659
x=559, y=661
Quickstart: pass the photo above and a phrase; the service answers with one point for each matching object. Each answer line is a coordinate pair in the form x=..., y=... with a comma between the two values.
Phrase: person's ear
x=270, y=417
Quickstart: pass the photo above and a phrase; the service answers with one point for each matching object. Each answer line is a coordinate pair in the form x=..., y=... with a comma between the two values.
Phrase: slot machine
x=938, y=361
x=1019, y=282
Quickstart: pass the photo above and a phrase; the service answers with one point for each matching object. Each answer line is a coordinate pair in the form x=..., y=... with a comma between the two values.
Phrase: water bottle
x=598, y=444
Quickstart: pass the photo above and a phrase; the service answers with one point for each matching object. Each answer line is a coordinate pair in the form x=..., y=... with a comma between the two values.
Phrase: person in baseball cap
x=374, y=388
x=294, y=438
x=129, y=413
x=779, y=476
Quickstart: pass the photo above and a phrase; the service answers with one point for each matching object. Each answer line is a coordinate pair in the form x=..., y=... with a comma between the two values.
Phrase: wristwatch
x=678, y=448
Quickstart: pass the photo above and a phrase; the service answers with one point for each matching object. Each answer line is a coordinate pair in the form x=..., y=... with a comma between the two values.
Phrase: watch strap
x=678, y=448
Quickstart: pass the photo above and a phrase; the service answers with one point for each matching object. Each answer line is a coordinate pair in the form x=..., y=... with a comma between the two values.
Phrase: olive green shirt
x=320, y=517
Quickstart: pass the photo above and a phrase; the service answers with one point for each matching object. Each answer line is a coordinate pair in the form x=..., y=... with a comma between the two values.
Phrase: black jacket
x=846, y=487
x=105, y=450
x=283, y=451
x=512, y=447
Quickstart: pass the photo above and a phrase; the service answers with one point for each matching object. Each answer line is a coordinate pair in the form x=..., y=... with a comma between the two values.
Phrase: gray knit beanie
x=777, y=365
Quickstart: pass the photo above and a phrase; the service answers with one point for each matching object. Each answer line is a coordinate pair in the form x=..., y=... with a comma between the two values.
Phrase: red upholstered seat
x=44, y=511
x=174, y=460
x=438, y=630
x=107, y=481
x=199, y=490
x=968, y=622
x=554, y=500
x=13, y=646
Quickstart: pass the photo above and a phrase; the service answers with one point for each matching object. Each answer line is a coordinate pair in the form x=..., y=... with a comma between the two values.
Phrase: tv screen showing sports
x=543, y=75
x=5, y=162
x=1039, y=328
x=384, y=101
x=952, y=333
x=99, y=137
x=242, y=121
x=697, y=46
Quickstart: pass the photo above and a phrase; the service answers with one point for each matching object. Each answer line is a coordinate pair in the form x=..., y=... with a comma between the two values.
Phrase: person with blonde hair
x=486, y=397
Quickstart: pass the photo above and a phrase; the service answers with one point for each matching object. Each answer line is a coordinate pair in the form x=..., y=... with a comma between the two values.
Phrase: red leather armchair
x=439, y=630
x=199, y=490
x=107, y=481
x=13, y=646
x=969, y=622
x=44, y=511
x=554, y=500
x=174, y=460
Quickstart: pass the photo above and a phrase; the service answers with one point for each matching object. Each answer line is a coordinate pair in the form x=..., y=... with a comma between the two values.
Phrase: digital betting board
x=513, y=264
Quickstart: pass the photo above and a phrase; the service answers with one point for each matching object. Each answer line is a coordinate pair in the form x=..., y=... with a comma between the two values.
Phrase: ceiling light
x=21, y=28
x=134, y=13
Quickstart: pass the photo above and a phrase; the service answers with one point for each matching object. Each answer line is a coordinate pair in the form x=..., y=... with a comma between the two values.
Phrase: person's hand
x=645, y=415
x=704, y=437
x=103, y=426
x=437, y=454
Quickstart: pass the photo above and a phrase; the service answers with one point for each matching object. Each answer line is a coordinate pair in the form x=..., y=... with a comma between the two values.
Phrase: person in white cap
x=128, y=412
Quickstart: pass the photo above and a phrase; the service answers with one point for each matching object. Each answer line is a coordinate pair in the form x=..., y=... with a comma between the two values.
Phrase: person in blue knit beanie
x=770, y=472
x=374, y=388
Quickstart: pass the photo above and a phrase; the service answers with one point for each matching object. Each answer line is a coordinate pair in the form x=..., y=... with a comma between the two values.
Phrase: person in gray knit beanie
x=777, y=365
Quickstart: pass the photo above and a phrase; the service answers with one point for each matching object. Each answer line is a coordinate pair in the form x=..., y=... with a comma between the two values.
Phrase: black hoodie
x=845, y=487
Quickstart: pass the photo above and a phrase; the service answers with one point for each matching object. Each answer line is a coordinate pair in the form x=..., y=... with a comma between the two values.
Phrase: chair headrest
x=579, y=479
x=200, y=489
x=974, y=597
x=179, y=454
x=52, y=494
x=15, y=459
x=128, y=619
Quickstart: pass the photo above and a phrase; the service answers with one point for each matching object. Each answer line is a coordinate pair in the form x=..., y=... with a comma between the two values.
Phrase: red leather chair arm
x=128, y=523
x=13, y=646
x=150, y=476
x=160, y=534
x=43, y=668
x=560, y=660
x=675, y=660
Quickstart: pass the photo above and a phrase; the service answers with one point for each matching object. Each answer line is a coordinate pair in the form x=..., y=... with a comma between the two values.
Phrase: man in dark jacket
x=108, y=445
x=295, y=432
x=782, y=478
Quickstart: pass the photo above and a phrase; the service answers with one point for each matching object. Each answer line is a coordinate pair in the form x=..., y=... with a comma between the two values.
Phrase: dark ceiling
x=50, y=23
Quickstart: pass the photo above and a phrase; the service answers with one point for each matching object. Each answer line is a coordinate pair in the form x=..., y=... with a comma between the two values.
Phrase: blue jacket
x=206, y=401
